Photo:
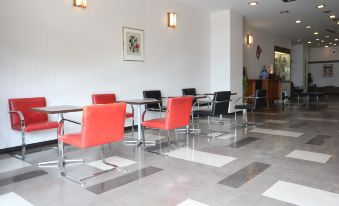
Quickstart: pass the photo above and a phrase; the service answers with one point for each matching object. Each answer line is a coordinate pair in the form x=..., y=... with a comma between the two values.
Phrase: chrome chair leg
x=23, y=149
x=132, y=127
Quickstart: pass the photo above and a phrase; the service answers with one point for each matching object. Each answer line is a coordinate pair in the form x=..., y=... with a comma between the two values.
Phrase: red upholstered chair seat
x=155, y=123
x=72, y=139
x=41, y=126
x=129, y=115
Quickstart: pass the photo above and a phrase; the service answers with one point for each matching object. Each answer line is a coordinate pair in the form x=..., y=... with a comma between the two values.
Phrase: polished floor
x=291, y=158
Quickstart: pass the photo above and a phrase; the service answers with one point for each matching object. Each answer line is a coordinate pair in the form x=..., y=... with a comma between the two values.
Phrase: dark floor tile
x=123, y=180
x=298, y=125
x=319, y=140
x=21, y=177
x=244, y=175
x=243, y=142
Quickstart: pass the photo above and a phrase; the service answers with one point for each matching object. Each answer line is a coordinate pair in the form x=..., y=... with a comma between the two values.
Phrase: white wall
x=324, y=54
x=267, y=41
x=226, y=52
x=51, y=49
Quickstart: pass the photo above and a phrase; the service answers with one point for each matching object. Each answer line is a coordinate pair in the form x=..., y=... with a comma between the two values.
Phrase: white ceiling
x=266, y=16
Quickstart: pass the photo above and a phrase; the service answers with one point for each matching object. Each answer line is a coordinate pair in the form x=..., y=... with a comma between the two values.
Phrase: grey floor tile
x=123, y=180
x=244, y=175
x=21, y=177
x=243, y=142
x=319, y=140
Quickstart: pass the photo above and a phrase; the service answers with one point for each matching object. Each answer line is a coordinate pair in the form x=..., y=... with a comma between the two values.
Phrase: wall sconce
x=249, y=39
x=80, y=3
x=172, y=19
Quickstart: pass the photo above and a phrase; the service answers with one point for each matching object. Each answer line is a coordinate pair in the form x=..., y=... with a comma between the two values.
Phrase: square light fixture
x=332, y=16
x=316, y=33
x=172, y=19
x=298, y=21
x=308, y=27
x=253, y=3
x=249, y=39
x=80, y=3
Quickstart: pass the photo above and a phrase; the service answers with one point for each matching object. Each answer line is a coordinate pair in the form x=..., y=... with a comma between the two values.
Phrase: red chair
x=177, y=115
x=24, y=119
x=101, y=124
x=109, y=99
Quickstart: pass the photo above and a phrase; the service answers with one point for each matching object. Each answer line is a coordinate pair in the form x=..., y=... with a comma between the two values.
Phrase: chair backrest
x=103, y=98
x=189, y=91
x=152, y=94
x=261, y=99
x=25, y=105
x=223, y=98
x=102, y=124
x=178, y=112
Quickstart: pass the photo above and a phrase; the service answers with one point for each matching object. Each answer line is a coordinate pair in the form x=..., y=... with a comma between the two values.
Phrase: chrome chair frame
x=245, y=122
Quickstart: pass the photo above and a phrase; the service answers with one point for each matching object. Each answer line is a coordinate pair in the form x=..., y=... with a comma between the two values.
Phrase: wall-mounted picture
x=328, y=70
x=133, y=44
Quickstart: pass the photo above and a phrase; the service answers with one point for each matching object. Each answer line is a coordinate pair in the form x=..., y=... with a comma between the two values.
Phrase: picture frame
x=328, y=70
x=133, y=44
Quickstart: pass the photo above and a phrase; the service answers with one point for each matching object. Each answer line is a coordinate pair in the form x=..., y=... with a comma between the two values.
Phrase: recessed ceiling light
x=253, y=3
x=316, y=33
x=298, y=21
x=326, y=46
x=320, y=6
x=336, y=39
x=337, y=22
x=308, y=27
x=309, y=42
x=322, y=41
x=334, y=44
x=330, y=43
x=298, y=40
x=332, y=16
x=327, y=36
x=317, y=39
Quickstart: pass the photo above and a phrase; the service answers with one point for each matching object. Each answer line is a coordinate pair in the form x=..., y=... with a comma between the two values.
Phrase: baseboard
x=43, y=144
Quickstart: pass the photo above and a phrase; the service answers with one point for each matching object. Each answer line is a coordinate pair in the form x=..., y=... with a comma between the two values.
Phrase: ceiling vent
x=286, y=1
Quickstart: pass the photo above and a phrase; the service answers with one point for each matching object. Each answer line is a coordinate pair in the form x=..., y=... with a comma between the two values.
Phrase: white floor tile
x=318, y=119
x=301, y=195
x=10, y=164
x=310, y=156
x=277, y=132
x=120, y=162
x=225, y=136
x=201, y=157
x=190, y=202
x=12, y=199
x=273, y=121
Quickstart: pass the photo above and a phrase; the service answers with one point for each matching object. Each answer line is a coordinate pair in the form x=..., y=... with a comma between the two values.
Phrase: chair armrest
x=21, y=116
x=61, y=125
x=220, y=101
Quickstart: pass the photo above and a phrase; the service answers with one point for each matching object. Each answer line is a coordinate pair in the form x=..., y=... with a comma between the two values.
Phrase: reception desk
x=271, y=85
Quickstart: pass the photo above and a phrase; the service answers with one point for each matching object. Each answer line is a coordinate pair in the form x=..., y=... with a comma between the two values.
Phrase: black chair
x=259, y=101
x=220, y=106
x=193, y=92
x=154, y=94
x=296, y=91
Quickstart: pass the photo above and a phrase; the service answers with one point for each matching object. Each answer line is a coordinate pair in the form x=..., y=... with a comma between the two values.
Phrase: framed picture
x=133, y=44
x=328, y=70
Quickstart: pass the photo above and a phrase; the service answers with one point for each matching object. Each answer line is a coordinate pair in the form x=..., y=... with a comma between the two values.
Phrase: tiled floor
x=290, y=160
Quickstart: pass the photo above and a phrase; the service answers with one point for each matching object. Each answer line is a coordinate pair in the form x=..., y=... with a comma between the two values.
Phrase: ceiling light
x=330, y=43
x=336, y=39
x=309, y=42
x=327, y=36
x=326, y=46
x=332, y=16
x=320, y=6
x=298, y=40
x=337, y=22
x=317, y=39
x=322, y=41
x=298, y=21
x=80, y=3
x=316, y=33
x=308, y=27
x=253, y=3
x=334, y=44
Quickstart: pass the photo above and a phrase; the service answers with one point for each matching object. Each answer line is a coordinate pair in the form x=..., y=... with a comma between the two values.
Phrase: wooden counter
x=271, y=85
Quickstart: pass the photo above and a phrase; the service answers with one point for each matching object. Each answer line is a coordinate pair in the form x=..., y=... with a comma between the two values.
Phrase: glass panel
x=282, y=65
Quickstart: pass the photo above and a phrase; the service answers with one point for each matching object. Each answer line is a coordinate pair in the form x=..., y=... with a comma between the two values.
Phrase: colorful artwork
x=258, y=52
x=133, y=44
